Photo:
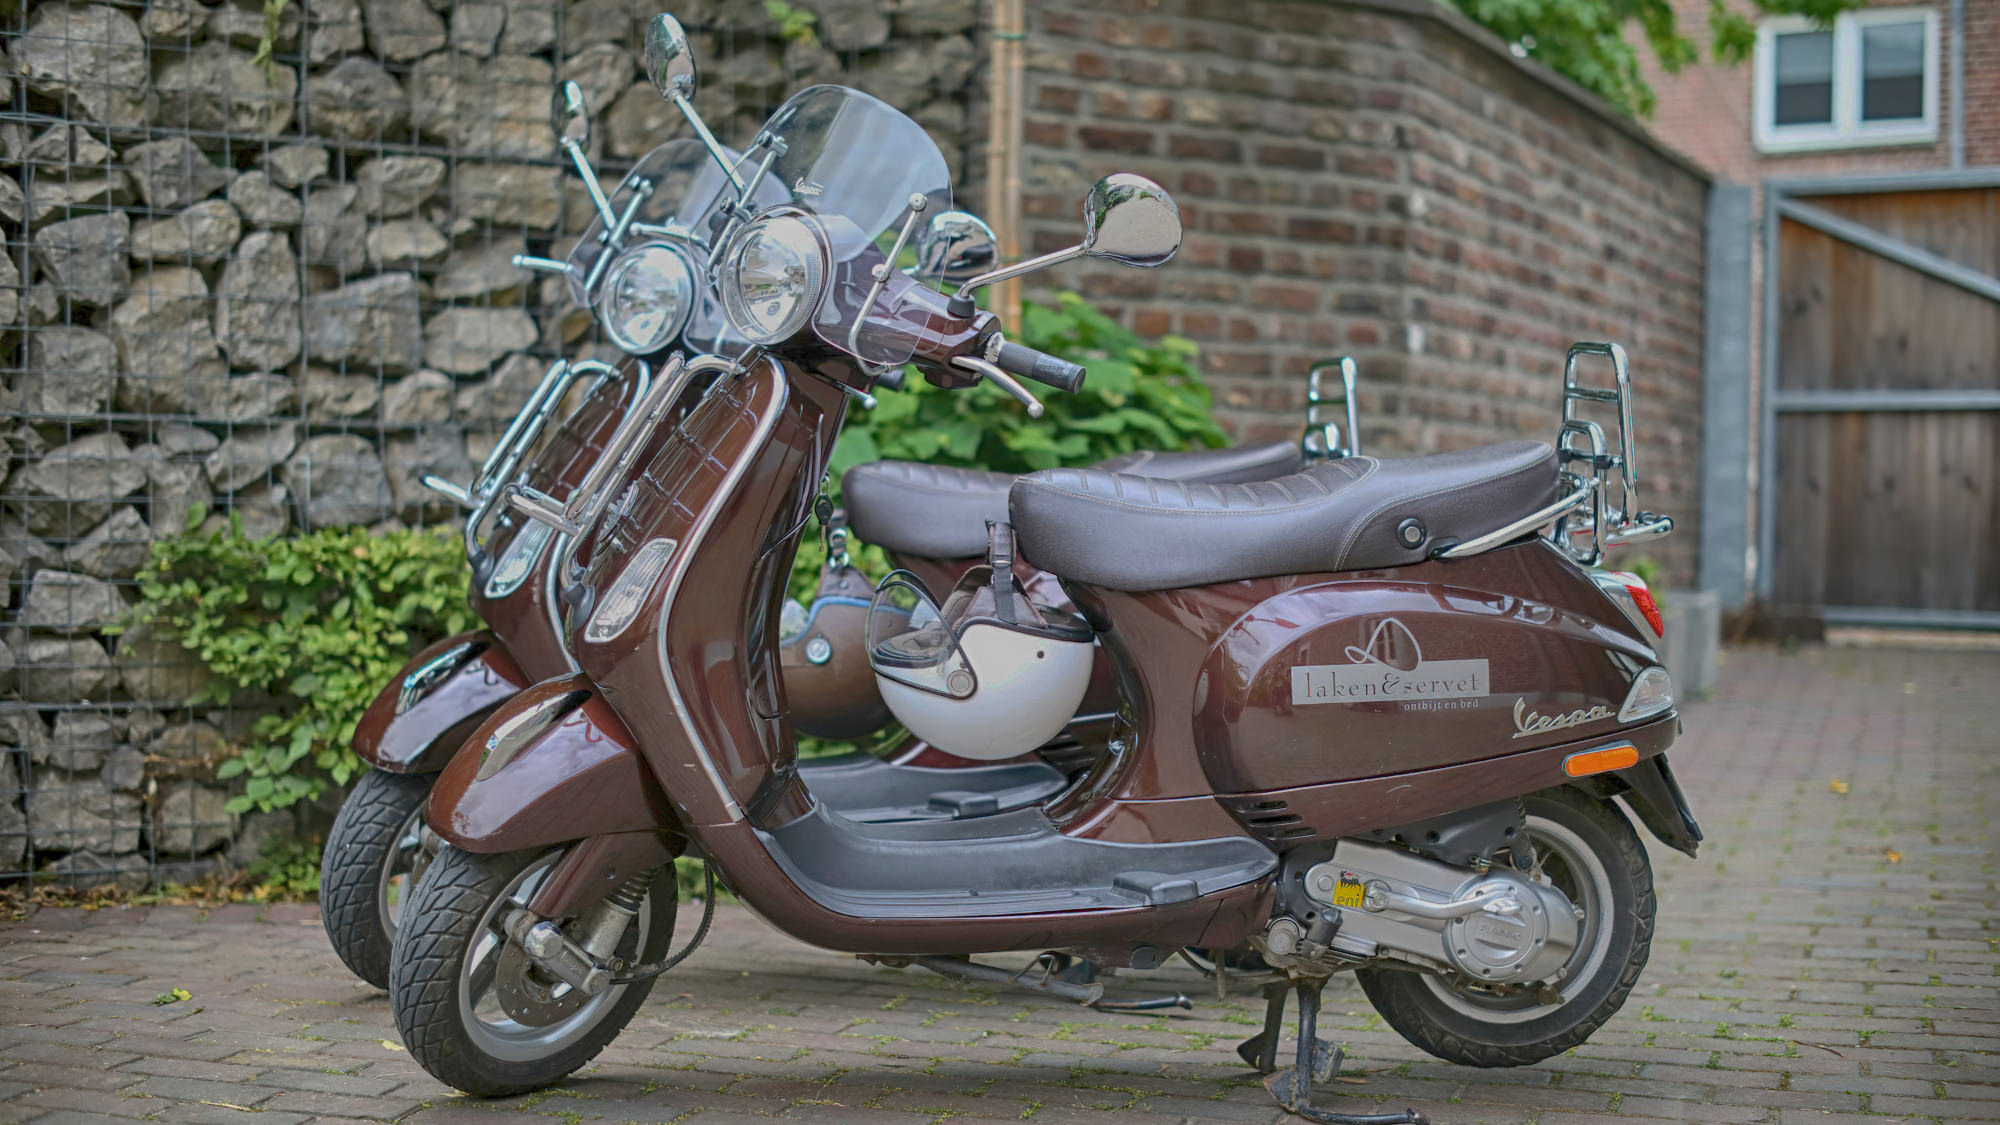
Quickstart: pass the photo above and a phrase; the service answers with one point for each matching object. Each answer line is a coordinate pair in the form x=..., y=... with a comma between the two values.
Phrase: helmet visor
x=910, y=643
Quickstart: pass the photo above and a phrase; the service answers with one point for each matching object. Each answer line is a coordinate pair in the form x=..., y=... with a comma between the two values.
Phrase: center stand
x=1317, y=1061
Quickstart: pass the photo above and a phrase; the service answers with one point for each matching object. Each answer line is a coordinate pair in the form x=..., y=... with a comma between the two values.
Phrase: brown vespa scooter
x=1370, y=719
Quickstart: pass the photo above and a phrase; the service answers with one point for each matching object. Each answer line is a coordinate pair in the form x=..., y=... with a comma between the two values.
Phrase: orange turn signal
x=1604, y=758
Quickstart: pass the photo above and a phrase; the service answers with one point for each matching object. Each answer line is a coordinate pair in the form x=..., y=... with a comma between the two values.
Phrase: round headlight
x=646, y=297
x=771, y=278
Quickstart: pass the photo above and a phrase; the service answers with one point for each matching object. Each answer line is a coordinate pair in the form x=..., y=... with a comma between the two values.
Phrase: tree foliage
x=1588, y=42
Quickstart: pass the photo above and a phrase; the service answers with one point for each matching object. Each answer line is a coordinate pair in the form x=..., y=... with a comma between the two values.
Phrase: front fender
x=425, y=713
x=552, y=765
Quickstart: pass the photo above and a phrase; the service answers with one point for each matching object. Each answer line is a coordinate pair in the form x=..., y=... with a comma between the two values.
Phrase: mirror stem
x=1018, y=268
x=582, y=162
x=708, y=141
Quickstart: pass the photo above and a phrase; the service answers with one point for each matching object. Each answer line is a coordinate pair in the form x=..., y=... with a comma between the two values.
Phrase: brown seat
x=1142, y=533
x=934, y=511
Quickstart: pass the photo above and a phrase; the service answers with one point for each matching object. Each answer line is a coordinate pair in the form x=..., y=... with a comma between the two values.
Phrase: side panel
x=1416, y=668
x=424, y=737
x=581, y=776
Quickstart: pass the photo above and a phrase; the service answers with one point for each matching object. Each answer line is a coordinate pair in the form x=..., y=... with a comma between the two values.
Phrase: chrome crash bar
x=1322, y=439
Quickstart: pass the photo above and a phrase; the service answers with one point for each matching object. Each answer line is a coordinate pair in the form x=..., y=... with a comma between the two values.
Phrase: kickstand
x=1317, y=1061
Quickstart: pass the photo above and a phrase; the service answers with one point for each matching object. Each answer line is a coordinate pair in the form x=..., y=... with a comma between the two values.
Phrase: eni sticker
x=1391, y=669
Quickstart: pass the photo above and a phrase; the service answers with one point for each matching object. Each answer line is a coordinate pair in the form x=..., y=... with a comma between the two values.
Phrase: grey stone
x=74, y=486
x=156, y=669
x=418, y=399
x=637, y=121
x=61, y=602
x=356, y=100
x=333, y=28
x=850, y=25
x=174, y=488
x=59, y=197
x=496, y=107
x=187, y=750
x=531, y=27
x=201, y=234
x=259, y=829
x=292, y=166
x=124, y=769
x=116, y=548
x=397, y=185
x=330, y=394
x=90, y=55
x=173, y=173
x=261, y=511
x=405, y=243
x=434, y=450
x=13, y=822
x=250, y=454
x=10, y=287
x=597, y=21
x=335, y=234
x=241, y=22
x=165, y=345
x=479, y=269
x=467, y=341
x=61, y=147
x=138, y=726
x=43, y=304
x=527, y=196
x=170, y=19
x=89, y=870
x=176, y=439
x=13, y=205
x=263, y=203
x=80, y=743
x=503, y=394
x=217, y=88
x=604, y=70
x=70, y=371
x=374, y=321
x=25, y=552
x=399, y=30
x=337, y=479
x=257, y=304
x=64, y=670
x=86, y=258
x=476, y=27
x=25, y=732
x=249, y=398
x=8, y=564
x=192, y=819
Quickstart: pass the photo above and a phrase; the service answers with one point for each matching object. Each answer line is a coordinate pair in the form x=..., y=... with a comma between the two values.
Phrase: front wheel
x=1588, y=850
x=373, y=857
x=473, y=1010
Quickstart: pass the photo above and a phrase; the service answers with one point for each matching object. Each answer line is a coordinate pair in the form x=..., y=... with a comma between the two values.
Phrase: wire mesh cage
x=258, y=274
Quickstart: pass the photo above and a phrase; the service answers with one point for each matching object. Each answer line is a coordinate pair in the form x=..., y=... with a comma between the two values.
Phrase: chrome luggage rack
x=1586, y=520
x=1322, y=439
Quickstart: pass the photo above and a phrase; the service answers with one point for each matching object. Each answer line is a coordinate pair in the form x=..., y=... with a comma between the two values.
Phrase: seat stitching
x=1119, y=502
x=1347, y=546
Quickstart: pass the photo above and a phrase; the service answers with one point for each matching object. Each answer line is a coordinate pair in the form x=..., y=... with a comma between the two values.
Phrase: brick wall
x=1982, y=82
x=1378, y=177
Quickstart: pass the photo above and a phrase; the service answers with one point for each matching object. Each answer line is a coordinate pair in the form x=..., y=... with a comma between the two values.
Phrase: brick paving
x=1831, y=958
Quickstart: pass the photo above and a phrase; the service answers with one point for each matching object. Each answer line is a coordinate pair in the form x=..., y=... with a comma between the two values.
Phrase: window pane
x=1892, y=71
x=1803, y=73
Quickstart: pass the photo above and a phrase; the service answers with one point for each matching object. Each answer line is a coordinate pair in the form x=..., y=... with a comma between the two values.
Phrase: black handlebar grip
x=891, y=380
x=1022, y=360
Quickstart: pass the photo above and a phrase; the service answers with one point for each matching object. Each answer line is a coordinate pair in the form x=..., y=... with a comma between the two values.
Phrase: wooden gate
x=1881, y=456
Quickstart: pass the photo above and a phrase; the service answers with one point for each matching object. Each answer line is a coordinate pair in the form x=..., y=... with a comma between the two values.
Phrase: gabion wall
x=282, y=289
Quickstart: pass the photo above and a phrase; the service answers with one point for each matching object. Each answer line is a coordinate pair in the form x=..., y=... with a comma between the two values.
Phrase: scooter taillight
x=1643, y=598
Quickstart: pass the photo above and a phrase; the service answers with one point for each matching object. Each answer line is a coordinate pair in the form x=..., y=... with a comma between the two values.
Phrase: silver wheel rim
x=399, y=871
x=1583, y=877
x=488, y=1025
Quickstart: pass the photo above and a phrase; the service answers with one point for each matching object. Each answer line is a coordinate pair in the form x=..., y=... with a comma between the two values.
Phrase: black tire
x=459, y=891
x=364, y=840
x=1412, y=1003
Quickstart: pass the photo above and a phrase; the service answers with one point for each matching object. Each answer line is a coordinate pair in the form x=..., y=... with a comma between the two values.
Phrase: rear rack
x=1322, y=439
x=1596, y=511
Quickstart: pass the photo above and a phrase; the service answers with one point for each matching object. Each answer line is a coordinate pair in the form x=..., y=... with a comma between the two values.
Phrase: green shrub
x=312, y=627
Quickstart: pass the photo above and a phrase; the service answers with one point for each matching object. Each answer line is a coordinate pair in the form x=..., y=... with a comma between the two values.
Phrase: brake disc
x=527, y=995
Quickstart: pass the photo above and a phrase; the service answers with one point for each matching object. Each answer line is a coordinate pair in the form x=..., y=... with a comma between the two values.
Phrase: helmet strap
x=1000, y=553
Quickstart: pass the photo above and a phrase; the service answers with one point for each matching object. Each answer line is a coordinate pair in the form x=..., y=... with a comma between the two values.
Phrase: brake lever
x=455, y=492
x=1000, y=379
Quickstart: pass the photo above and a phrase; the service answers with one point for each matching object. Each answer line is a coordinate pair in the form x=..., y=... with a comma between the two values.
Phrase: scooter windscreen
x=862, y=178
x=910, y=643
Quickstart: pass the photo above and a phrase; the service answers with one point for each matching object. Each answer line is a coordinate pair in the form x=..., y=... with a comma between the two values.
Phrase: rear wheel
x=1588, y=850
x=473, y=1010
x=373, y=856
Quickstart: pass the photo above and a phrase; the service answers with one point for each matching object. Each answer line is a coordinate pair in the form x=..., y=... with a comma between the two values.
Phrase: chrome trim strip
x=1522, y=526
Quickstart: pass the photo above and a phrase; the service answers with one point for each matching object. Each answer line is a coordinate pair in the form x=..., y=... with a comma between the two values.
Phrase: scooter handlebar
x=1022, y=360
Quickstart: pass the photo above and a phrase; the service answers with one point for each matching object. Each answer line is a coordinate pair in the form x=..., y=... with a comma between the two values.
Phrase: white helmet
x=988, y=676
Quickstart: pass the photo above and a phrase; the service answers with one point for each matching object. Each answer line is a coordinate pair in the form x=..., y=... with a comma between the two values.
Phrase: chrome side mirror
x=1127, y=219
x=569, y=116
x=1131, y=220
x=669, y=62
x=956, y=246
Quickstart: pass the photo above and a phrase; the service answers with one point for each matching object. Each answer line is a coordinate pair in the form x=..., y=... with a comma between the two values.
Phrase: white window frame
x=1847, y=129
